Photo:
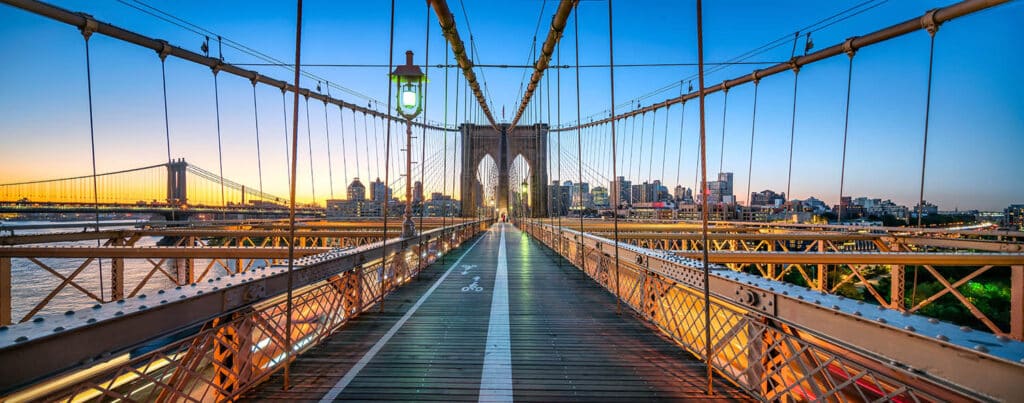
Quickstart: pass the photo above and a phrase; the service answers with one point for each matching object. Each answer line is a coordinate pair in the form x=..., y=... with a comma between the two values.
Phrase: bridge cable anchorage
x=220, y=152
x=848, y=47
x=87, y=30
x=558, y=22
x=290, y=353
x=929, y=23
x=753, y=126
x=447, y=22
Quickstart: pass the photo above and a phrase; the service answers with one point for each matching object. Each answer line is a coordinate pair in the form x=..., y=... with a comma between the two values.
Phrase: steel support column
x=5, y=291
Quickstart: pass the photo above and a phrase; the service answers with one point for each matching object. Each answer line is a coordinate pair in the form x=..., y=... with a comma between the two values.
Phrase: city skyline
x=975, y=112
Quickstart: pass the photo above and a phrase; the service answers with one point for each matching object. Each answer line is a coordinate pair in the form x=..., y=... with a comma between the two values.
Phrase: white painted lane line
x=496, y=379
x=354, y=371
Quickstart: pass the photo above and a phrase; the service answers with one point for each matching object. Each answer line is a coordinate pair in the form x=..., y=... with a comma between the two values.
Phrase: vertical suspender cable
x=704, y=202
x=167, y=124
x=579, y=140
x=615, y=217
x=725, y=108
x=256, y=118
x=220, y=149
x=355, y=138
x=366, y=133
x=387, y=151
x=753, y=124
x=330, y=163
x=927, y=116
x=87, y=31
x=682, y=122
x=423, y=139
x=650, y=160
x=344, y=151
x=640, y=154
x=287, y=145
x=455, y=149
x=309, y=143
x=558, y=110
x=664, y=147
x=846, y=130
x=291, y=199
x=792, y=137
x=444, y=159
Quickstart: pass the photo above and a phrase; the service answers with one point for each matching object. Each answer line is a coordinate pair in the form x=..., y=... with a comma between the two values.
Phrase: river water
x=31, y=284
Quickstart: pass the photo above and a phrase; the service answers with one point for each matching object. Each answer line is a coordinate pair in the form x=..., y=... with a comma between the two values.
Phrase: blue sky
x=976, y=127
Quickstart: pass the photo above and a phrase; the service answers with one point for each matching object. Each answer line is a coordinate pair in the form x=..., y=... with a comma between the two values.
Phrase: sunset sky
x=977, y=114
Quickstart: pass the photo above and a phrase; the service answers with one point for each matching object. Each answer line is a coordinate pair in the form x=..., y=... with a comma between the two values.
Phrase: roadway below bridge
x=505, y=319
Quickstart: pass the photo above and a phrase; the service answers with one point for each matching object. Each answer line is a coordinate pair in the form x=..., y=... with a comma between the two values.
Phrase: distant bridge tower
x=528, y=141
x=177, y=187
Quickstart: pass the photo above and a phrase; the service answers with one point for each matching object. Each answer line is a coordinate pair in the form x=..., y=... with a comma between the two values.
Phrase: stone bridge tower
x=503, y=146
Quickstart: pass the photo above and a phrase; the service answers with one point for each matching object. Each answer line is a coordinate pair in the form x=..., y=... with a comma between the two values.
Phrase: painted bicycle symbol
x=474, y=286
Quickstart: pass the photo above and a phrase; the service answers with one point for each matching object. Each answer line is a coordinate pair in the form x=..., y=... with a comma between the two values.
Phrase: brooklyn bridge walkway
x=504, y=318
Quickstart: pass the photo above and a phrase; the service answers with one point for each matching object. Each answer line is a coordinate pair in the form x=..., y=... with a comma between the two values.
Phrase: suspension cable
x=615, y=216
x=87, y=31
x=220, y=149
x=344, y=150
x=289, y=355
x=579, y=141
x=309, y=142
x=287, y=142
x=664, y=148
x=846, y=130
x=792, y=137
x=423, y=139
x=927, y=116
x=355, y=138
x=444, y=163
x=330, y=162
x=704, y=211
x=753, y=125
x=256, y=118
x=387, y=153
x=725, y=108
x=654, y=134
x=167, y=125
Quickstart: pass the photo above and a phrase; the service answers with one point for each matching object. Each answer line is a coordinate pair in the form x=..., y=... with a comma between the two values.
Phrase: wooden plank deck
x=566, y=342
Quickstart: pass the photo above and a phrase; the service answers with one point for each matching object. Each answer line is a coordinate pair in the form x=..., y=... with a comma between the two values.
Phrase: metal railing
x=781, y=342
x=210, y=341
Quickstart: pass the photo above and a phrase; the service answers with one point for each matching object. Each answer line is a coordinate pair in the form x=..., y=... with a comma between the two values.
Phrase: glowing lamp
x=408, y=79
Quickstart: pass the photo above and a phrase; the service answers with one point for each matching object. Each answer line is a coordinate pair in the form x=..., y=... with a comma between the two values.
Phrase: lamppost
x=409, y=80
x=522, y=199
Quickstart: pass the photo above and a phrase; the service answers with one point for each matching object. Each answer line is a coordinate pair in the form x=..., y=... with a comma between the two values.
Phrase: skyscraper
x=356, y=190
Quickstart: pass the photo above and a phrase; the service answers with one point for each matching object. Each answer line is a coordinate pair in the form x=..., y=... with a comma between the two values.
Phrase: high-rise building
x=620, y=191
x=356, y=190
x=720, y=191
x=417, y=192
x=379, y=192
x=600, y=197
